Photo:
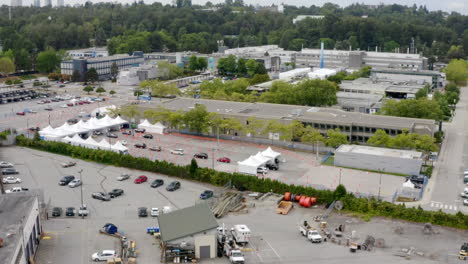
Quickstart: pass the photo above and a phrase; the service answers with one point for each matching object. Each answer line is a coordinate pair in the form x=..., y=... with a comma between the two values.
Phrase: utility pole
x=212, y=158
x=340, y=176
x=81, y=190
x=27, y=126
x=380, y=183
x=2, y=188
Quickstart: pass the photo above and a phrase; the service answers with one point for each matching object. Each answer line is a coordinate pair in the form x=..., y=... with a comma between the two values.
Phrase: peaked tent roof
x=187, y=221
x=159, y=125
x=145, y=123
x=119, y=146
x=47, y=130
x=270, y=153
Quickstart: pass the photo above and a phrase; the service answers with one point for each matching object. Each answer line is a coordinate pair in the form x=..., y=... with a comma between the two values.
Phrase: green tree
x=160, y=89
x=169, y=71
x=6, y=66
x=100, y=90
x=22, y=60
x=253, y=126
x=197, y=119
x=419, y=108
x=312, y=135
x=91, y=75
x=47, y=61
x=112, y=92
x=457, y=71
x=390, y=46
x=131, y=111
x=193, y=63
x=88, y=89
x=193, y=167
x=227, y=66
x=335, y=138
x=379, y=139
x=422, y=93
x=456, y=52
x=339, y=192
x=202, y=63
x=259, y=78
x=114, y=70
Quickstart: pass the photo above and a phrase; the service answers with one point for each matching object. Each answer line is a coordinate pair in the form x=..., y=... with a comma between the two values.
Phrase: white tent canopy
x=103, y=110
x=408, y=184
x=157, y=128
x=271, y=154
x=250, y=165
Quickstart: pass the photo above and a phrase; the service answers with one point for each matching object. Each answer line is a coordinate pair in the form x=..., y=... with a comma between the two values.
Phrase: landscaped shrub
x=368, y=207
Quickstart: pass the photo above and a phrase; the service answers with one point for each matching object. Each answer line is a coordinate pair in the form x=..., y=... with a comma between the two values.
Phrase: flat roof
x=186, y=222
x=383, y=152
x=14, y=208
x=282, y=111
x=408, y=72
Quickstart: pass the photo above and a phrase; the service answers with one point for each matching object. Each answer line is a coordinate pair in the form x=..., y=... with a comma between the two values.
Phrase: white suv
x=104, y=255
x=177, y=151
x=154, y=211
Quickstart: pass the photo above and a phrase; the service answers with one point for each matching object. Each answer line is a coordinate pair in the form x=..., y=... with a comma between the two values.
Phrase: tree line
x=158, y=27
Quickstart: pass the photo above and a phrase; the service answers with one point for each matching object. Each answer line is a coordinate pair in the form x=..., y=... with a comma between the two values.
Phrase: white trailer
x=241, y=234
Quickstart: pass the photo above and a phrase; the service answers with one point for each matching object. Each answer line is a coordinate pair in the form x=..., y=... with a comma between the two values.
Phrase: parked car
x=173, y=186
x=465, y=202
x=48, y=108
x=111, y=135
x=464, y=194
x=116, y=192
x=140, y=145
x=224, y=159
x=104, y=255
x=83, y=211
x=4, y=164
x=64, y=106
x=154, y=212
x=201, y=155
x=72, y=121
x=124, y=142
x=141, y=179
x=56, y=211
x=140, y=130
x=97, y=133
x=66, y=179
x=142, y=212
x=127, y=132
x=262, y=170
x=70, y=211
x=272, y=166
x=11, y=180
x=101, y=196
x=149, y=136
x=34, y=129
x=156, y=183
x=416, y=179
x=156, y=148
x=177, y=151
x=9, y=171
x=75, y=183
x=21, y=113
x=17, y=190
x=206, y=195
x=123, y=177
x=68, y=164
x=70, y=104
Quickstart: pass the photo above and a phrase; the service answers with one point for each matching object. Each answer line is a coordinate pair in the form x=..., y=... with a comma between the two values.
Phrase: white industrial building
x=20, y=227
x=435, y=79
x=97, y=52
x=379, y=159
x=135, y=75
x=321, y=73
x=302, y=17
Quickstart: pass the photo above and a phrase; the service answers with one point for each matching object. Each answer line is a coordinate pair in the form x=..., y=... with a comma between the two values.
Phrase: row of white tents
x=252, y=163
x=157, y=128
x=82, y=127
x=76, y=140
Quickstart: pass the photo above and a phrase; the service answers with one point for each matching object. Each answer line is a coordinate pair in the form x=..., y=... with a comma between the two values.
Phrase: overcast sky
x=460, y=6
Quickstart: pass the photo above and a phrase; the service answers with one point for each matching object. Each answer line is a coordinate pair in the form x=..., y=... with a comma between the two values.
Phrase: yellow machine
x=463, y=255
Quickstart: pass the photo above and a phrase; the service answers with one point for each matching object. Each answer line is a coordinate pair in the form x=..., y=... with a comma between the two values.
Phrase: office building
x=37, y=3
x=16, y=3
x=20, y=227
x=435, y=79
x=60, y=3
x=357, y=126
x=47, y=2
x=102, y=64
x=135, y=75
x=359, y=59
x=88, y=53
x=397, y=90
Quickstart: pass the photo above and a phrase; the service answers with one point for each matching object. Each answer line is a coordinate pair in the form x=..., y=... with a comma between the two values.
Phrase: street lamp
x=380, y=183
x=27, y=126
x=81, y=191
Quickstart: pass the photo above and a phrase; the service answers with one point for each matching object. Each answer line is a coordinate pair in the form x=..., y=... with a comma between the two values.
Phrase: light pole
x=81, y=191
x=380, y=183
x=212, y=157
x=27, y=126
x=340, y=177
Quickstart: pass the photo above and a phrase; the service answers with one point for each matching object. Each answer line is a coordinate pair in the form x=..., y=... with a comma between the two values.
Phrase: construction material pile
x=304, y=201
x=229, y=202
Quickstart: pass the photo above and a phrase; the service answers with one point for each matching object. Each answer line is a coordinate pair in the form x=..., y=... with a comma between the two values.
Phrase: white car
x=465, y=202
x=4, y=164
x=124, y=142
x=123, y=176
x=104, y=255
x=154, y=211
x=11, y=179
x=262, y=170
x=64, y=106
x=177, y=151
x=74, y=183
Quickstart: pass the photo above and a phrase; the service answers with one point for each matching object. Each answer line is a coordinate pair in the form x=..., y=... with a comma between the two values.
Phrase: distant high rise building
x=60, y=3
x=48, y=3
x=37, y=3
x=16, y=2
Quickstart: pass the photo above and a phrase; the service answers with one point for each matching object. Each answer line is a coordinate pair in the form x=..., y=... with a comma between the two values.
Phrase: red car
x=81, y=103
x=224, y=159
x=70, y=104
x=21, y=113
x=141, y=179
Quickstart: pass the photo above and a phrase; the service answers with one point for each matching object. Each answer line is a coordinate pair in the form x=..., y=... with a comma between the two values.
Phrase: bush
x=366, y=207
x=9, y=82
x=17, y=82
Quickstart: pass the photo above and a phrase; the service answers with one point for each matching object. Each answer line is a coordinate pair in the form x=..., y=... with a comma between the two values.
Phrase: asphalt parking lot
x=275, y=238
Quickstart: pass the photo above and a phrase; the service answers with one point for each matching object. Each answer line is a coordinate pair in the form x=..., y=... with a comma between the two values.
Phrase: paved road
x=444, y=189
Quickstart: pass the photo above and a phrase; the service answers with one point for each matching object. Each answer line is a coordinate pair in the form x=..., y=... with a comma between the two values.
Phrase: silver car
x=124, y=176
x=74, y=183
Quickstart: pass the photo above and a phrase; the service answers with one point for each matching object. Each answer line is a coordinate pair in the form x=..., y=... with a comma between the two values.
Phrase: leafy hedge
x=370, y=207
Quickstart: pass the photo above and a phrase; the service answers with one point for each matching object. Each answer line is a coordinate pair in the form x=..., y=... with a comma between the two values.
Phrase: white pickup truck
x=16, y=190
x=311, y=233
x=233, y=253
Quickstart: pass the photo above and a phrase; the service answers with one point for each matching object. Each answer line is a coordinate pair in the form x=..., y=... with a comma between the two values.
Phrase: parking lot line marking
x=446, y=206
x=432, y=204
x=274, y=251
x=450, y=207
x=455, y=208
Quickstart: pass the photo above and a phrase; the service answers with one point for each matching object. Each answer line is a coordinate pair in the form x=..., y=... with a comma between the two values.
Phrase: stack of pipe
x=304, y=201
x=228, y=202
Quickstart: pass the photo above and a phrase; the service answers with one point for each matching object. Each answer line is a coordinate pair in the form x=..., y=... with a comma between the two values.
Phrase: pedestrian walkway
x=443, y=206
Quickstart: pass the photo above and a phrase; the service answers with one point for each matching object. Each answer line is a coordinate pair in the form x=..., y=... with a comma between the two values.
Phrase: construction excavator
x=463, y=254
